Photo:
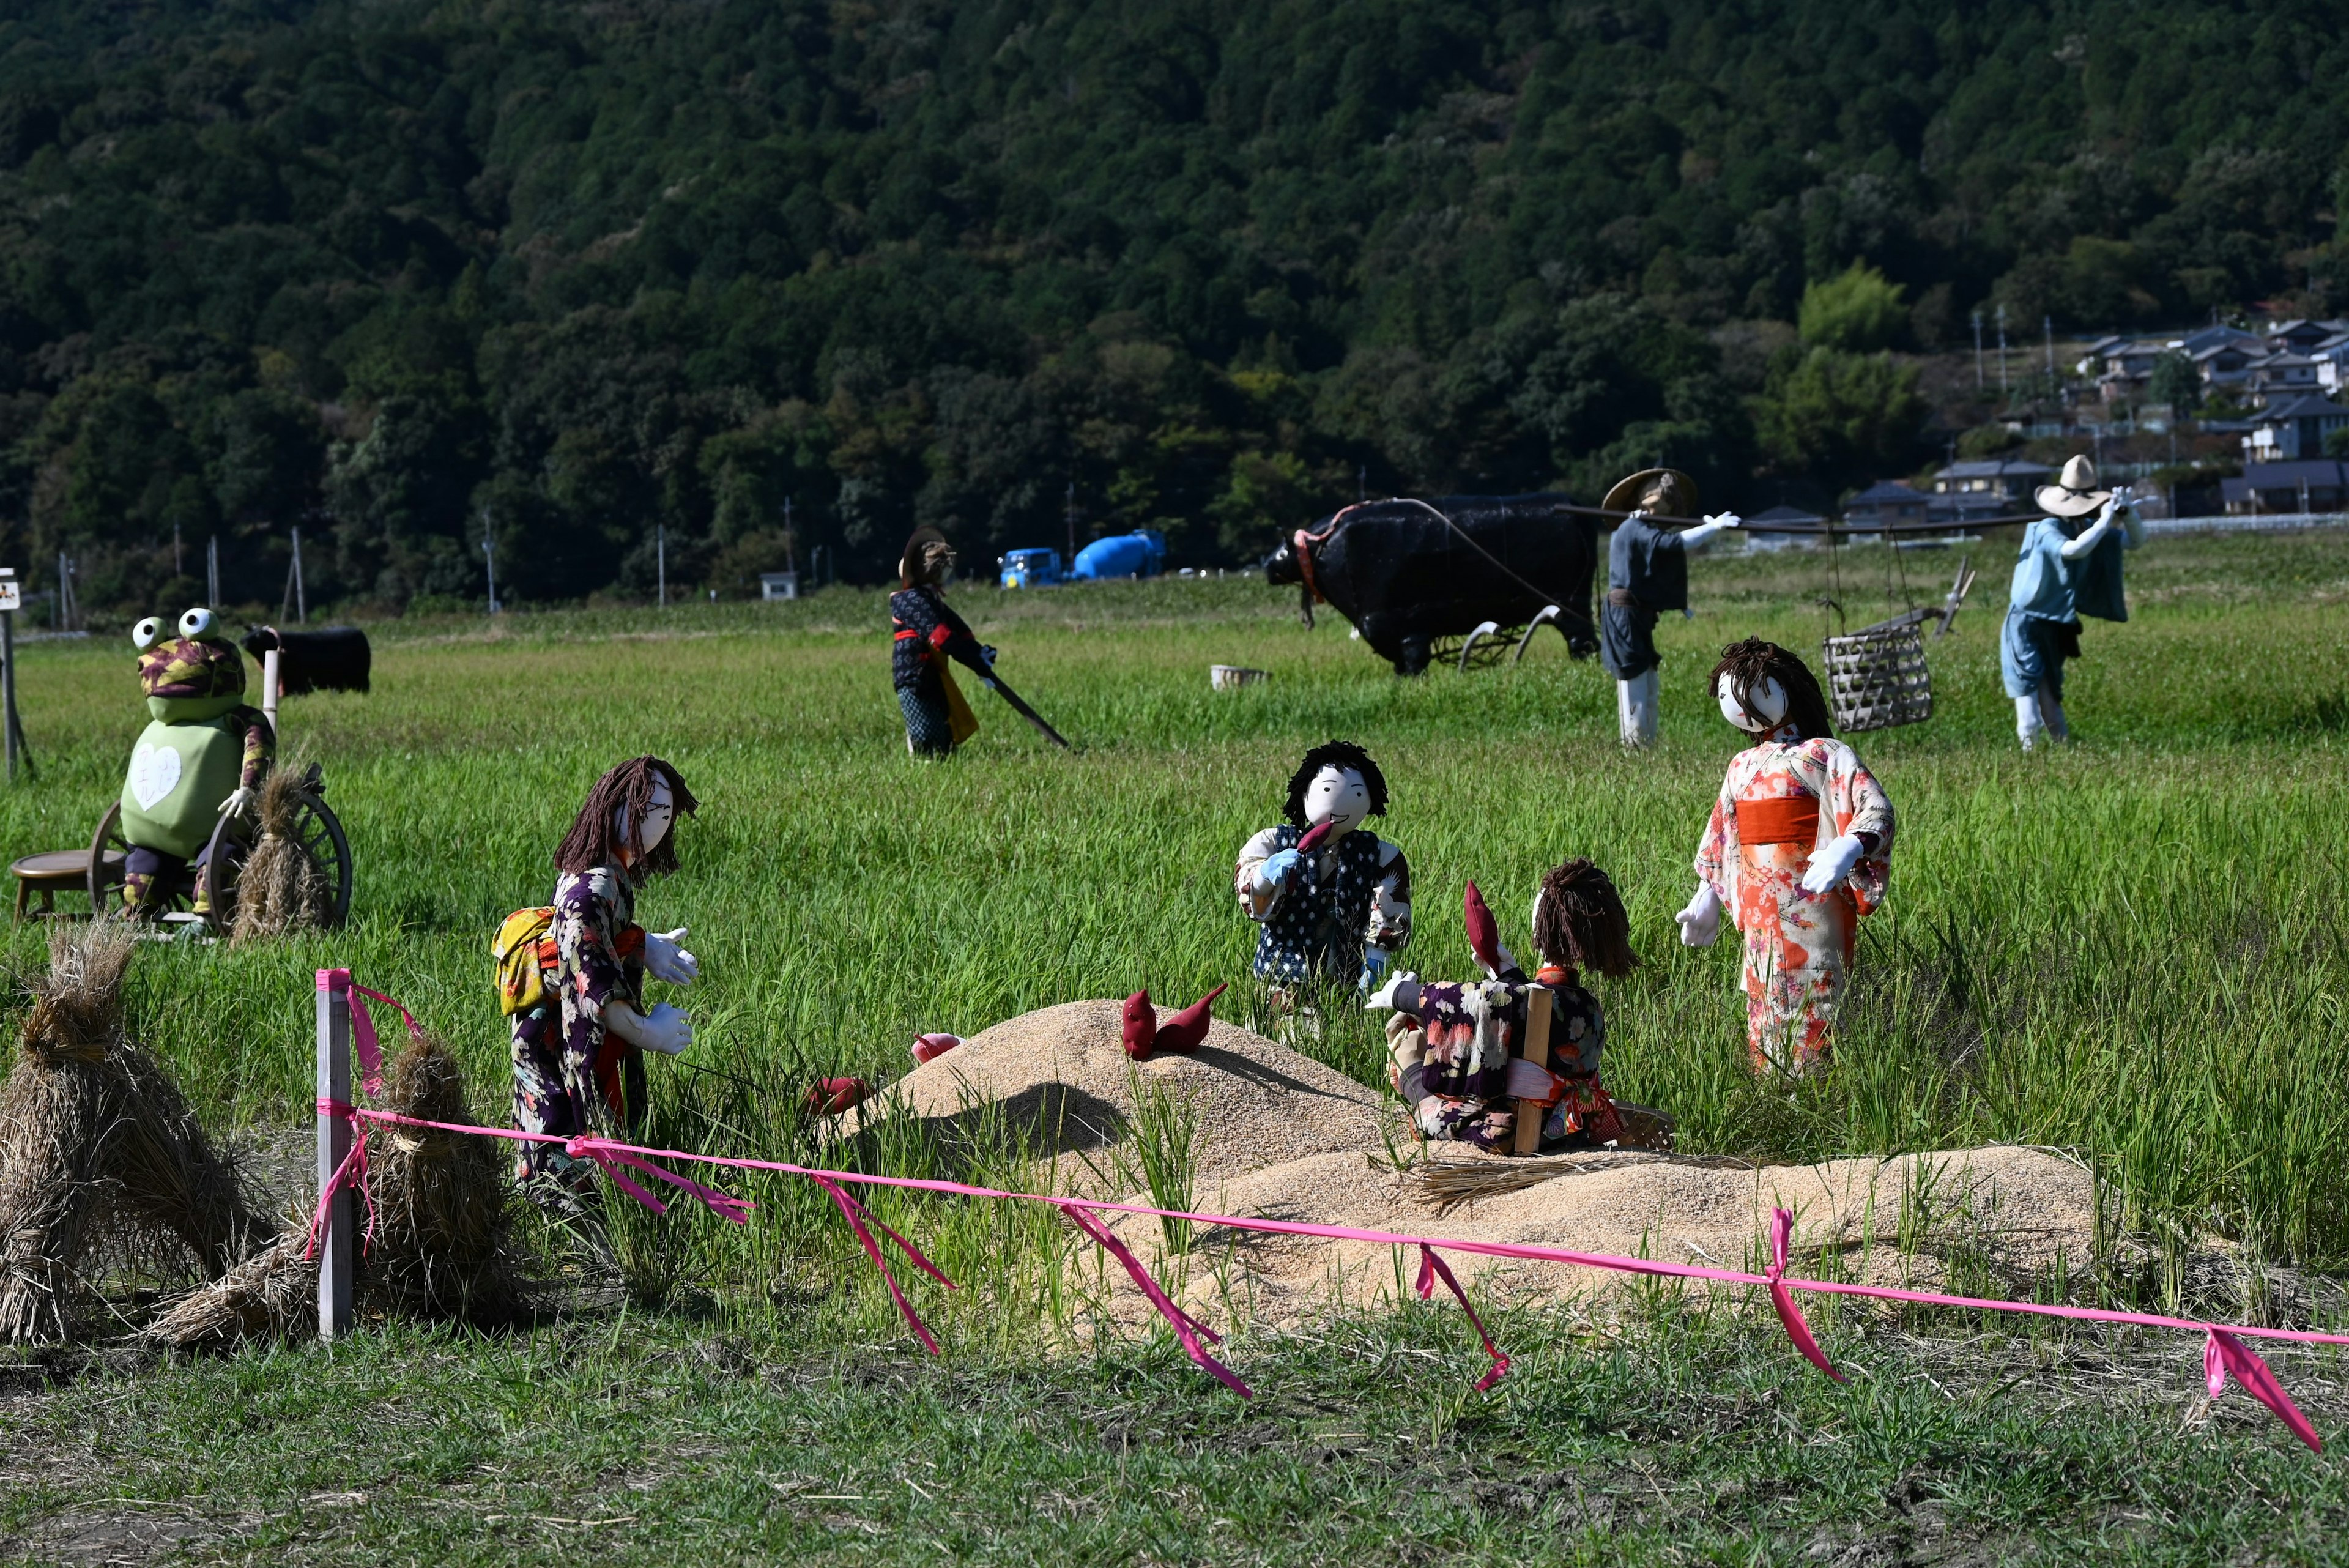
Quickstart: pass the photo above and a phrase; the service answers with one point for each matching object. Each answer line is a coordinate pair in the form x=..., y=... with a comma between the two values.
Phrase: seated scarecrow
x=1334, y=902
x=1457, y=1048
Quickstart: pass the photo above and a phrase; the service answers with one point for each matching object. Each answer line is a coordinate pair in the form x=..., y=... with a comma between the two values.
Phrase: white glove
x=1830, y=866
x=664, y=960
x=1539, y=1085
x=1725, y=520
x=238, y=801
x=1701, y=922
x=665, y=1029
x=1384, y=998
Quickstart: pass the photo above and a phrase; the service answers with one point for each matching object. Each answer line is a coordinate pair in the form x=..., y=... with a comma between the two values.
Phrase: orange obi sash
x=1790, y=819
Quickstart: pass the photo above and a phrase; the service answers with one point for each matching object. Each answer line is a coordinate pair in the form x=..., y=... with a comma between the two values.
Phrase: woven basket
x=1878, y=680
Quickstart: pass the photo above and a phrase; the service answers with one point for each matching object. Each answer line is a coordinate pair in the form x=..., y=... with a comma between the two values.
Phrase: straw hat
x=2074, y=492
x=1680, y=492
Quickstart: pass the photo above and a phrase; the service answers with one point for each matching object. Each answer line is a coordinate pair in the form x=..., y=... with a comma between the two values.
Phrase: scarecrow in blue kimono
x=927, y=633
x=1646, y=575
x=1456, y=1049
x=2067, y=568
x=201, y=758
x=1334, y=900
x=573, y=971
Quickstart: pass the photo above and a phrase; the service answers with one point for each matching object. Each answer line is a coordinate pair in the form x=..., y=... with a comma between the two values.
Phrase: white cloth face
x=1339, y=797
x=660, y=813
x=1768, y=711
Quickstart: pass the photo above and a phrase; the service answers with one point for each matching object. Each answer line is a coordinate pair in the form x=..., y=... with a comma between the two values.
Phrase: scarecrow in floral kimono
x=201, y=758
x=1456, y=1050
x=927, y=634
x=1798, y=848
x=578, y=1052
x=2067, y=568
x=1334, y=900
x=1647, y=574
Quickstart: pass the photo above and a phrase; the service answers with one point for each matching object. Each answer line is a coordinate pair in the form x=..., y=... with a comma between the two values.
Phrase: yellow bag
x=961, y=723
x=523, y=951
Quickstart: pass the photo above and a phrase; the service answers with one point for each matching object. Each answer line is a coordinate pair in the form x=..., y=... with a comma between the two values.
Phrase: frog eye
x=143, y=635
x=196, y=622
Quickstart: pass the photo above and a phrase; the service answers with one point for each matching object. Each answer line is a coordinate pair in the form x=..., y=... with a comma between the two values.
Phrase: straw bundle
x=281, y=888
x=1446, y=1184
x=95, y=1137
x=441, y=1212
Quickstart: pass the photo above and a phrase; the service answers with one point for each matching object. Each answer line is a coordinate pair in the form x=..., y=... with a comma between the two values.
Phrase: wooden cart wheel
x=108, y=849
x=323, y=841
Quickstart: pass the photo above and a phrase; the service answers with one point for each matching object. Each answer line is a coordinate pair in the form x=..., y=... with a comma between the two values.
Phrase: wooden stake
x=334, y=1251
x=1531, y=1113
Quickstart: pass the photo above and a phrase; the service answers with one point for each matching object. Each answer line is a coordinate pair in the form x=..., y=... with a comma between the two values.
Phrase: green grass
x=2134, y=947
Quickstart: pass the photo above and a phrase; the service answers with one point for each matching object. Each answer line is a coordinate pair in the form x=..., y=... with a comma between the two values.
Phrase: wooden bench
x=58, y=868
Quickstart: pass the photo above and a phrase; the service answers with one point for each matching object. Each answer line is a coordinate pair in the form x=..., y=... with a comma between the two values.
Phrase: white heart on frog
x=154, y=774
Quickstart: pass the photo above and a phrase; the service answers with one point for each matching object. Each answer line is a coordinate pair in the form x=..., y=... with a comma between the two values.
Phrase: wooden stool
x=65, y=868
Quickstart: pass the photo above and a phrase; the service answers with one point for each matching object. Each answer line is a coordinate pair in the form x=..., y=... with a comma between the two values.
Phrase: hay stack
x=282, y=888
x=442, y=1211
x=94, y=1137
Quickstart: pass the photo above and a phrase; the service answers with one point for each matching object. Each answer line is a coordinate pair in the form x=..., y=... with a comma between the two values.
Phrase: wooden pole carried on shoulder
x=1531, y=1113
x=336, y=1253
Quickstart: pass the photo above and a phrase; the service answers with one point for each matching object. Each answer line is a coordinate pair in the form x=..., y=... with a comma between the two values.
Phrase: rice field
x=2132, y=948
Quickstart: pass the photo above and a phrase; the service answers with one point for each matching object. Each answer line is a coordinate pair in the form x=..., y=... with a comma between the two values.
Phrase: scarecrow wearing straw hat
x=1647, y=574
x=1456, y=1050
x=2067, y=568
x=574, y=972
x=1334, y=902
x=1798, y=848
x=203, y=758
x=927, y=634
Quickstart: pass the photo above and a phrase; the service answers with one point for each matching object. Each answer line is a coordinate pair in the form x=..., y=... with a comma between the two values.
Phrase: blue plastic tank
x=1141, y=554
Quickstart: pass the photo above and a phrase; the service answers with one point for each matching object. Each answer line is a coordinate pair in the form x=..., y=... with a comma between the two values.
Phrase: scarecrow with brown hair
x=1456, y=1049
x=577, y=1047
x=1647, y=574
x=926, y=633
x=1798, y=848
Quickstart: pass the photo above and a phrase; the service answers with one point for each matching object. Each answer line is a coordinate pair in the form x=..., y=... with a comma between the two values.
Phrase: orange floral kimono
x=1782, y=799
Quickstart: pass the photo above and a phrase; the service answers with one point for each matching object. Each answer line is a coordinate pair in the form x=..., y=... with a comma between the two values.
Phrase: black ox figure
x=1406, y=577
x=332, y=658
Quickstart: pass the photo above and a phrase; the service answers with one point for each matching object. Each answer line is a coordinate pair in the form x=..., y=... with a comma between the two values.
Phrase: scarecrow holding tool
x=1456, y=1050
x=1798, y=848
x=201, y=758
x=927, y=633
x=1334, y=900
x=572, y=975
x=2067, y=568
x=1647, y=574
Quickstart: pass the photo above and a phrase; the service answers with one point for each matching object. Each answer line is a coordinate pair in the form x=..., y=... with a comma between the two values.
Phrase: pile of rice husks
x=95, y=1143
x=1281, y=1137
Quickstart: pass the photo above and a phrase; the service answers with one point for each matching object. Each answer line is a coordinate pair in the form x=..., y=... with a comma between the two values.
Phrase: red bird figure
x=1141, y=1026
x=1484, y=931
x=930, y=1047
x=1183, y=1033
x=830, y=1097
x=1312, y=839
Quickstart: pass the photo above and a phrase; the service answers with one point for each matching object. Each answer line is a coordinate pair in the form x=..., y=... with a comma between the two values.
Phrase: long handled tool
x=1020, y=706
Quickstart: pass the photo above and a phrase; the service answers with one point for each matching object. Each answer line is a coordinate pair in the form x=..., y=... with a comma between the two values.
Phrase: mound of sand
x=1282, y=1136
x=1059, y=1079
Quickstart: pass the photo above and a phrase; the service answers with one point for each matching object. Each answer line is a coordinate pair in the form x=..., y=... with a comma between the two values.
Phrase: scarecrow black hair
x=1749, y=663
x=1340, y=754
x=593, y=839
x=1582, y=924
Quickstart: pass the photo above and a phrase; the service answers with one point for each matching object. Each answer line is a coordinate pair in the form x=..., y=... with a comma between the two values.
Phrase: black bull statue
x=1409, y=572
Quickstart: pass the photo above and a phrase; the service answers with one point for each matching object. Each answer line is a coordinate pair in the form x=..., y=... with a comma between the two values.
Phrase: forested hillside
x=398, y=271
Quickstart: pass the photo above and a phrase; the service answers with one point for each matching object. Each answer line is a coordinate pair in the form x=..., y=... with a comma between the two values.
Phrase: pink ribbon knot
x=1431, y=1269
x=350, y=1173
x=610, y=1157
x=1187, y=1329
x=2222, y=1353
x=1790, y=1317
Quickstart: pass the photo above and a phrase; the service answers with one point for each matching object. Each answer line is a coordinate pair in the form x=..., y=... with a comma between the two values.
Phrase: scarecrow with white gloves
x=1647, y=574
x=574, y=972
x=1798, y=848
x=1334, y=900
x=2067, y=568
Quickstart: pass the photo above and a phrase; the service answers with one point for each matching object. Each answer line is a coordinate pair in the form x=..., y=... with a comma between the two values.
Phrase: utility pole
x=2003, y=390
x=791, y=541
x=1069, y=513
x=1362, y=482
x=660, y=558
x=489, y=559
x=296, y=598
x=2048, y=325
x=1977, y=370
x=212, y=572
x=11, y=595
x=178, y=569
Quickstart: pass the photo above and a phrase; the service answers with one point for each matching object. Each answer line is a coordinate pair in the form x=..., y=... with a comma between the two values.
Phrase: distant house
x=2313, y=486
x=1758, y=534
x=1890, y=501
x=2225, y=364
x=2294, y=430
x=1985, y=487
x=2331, y=358
x=2284, y=375
x=2300, y=337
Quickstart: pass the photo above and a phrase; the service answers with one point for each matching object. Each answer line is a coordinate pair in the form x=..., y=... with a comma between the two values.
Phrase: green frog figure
x=202, y=759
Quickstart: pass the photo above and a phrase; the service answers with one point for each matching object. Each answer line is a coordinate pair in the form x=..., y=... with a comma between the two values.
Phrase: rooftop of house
x=1888, y=493
x=2312, y=407
x=1991, y=468
x=1783, y=514
x=2316, y=473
